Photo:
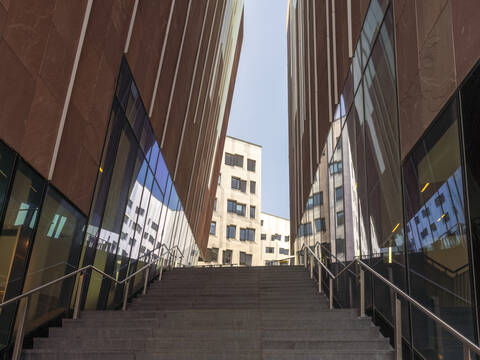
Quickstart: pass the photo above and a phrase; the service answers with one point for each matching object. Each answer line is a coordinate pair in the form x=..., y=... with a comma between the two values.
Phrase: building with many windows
x=113, y=120
x=383, y=115
x=235, y=227
x=275, y=239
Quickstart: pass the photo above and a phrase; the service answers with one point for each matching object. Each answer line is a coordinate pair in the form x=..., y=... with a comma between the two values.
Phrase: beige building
x=275, y=238
x=235, y=228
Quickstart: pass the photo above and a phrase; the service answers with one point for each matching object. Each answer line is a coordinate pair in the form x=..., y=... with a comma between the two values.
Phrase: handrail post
x=319, y=278
x=125, y=295
x=330, y=285
x=145, y=283
x=161, y=269
x=311, y=267
x=466, y=352
x=78, y=298
x=305, y=256
x=362, y=293
x=398, y=328
x=17, y=349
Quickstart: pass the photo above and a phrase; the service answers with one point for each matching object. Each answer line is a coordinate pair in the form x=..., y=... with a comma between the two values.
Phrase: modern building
x=235, y=227
x=240, y=234
x=383, y=106
x=113, y=120
x=275, y=240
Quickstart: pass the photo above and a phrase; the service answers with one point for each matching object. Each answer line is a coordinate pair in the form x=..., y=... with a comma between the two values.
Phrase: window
x=154, y=226
x=219, y=179
x=233, y=160
x=139, y=211
x=251, y=164
x=320, y=225
x=269, y=250
x=247, y=234
x=339, y=193
x=340, y=218
x=239, y=184
x=241, y=209
x=245, y=259
x=261, y=222
x=318, y=199
x=252, y=212
x=215, y=205
x=231, y=206
x=287, y=238
x=276, y=237
x=213, y=228
x=263, y=237
x=309, y=204
x=231, y=231
x=234, y=207
x=229, y=159
x=284, y=251
x=253, y=186
x=212, y=255
x=335, y=167
x=227, y=257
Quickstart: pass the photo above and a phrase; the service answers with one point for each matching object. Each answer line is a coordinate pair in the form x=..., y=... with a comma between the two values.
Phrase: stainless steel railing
x=309, y=254
x=24, y=298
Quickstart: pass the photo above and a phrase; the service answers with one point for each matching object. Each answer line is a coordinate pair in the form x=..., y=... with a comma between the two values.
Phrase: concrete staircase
x=219, y=313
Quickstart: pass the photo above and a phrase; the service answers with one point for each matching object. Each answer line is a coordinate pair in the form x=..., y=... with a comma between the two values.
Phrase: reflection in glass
x=436, y=236
x=16, y=237
x=56, y=252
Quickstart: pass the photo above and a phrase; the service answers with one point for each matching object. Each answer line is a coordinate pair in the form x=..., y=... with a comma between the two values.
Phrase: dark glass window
x=340, y=218
x=227, y=257
x=247, y=234
x=231, y=206
x=438, y=259
x=252, y=187
x=245, y=259
x=251, y=164
x=231, y=230
x=284, y=251
x=339, y=193
x=309, y=204
x=213, y=228
x=229, y=159
x=212, y=255
x=252, y=212
x=269, y=250
x=56, y=252
x=215, y=205
x=320, y=224
x=263, y=237
x=16, y=237
x=335, y=167
x=318, y=199
x=287, y=238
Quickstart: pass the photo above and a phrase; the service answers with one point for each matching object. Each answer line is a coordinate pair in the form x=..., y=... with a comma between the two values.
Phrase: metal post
x=145, y=283
x=17, y=349
x=311, y=267
x=319, y=278
x=398, y=328
x=330, y=285
x=466, y=352
x=161, y=269
x=305, y=257
x=78, y=298
x=362, y=293
x=125, y=295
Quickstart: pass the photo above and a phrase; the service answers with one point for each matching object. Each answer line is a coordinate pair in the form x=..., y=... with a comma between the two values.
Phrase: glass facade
x=135, y=209
x=414, y=220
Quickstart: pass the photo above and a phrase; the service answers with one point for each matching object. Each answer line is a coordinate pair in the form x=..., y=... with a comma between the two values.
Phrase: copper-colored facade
x=59, y=63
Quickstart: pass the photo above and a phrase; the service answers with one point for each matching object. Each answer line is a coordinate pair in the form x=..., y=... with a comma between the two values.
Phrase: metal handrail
x=468, y=345
x=23, y=298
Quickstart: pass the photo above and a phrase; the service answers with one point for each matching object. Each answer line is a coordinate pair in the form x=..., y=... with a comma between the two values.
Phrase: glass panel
x=383, y=167
x=16, y=238
x=56, y=252
x=436, y=237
